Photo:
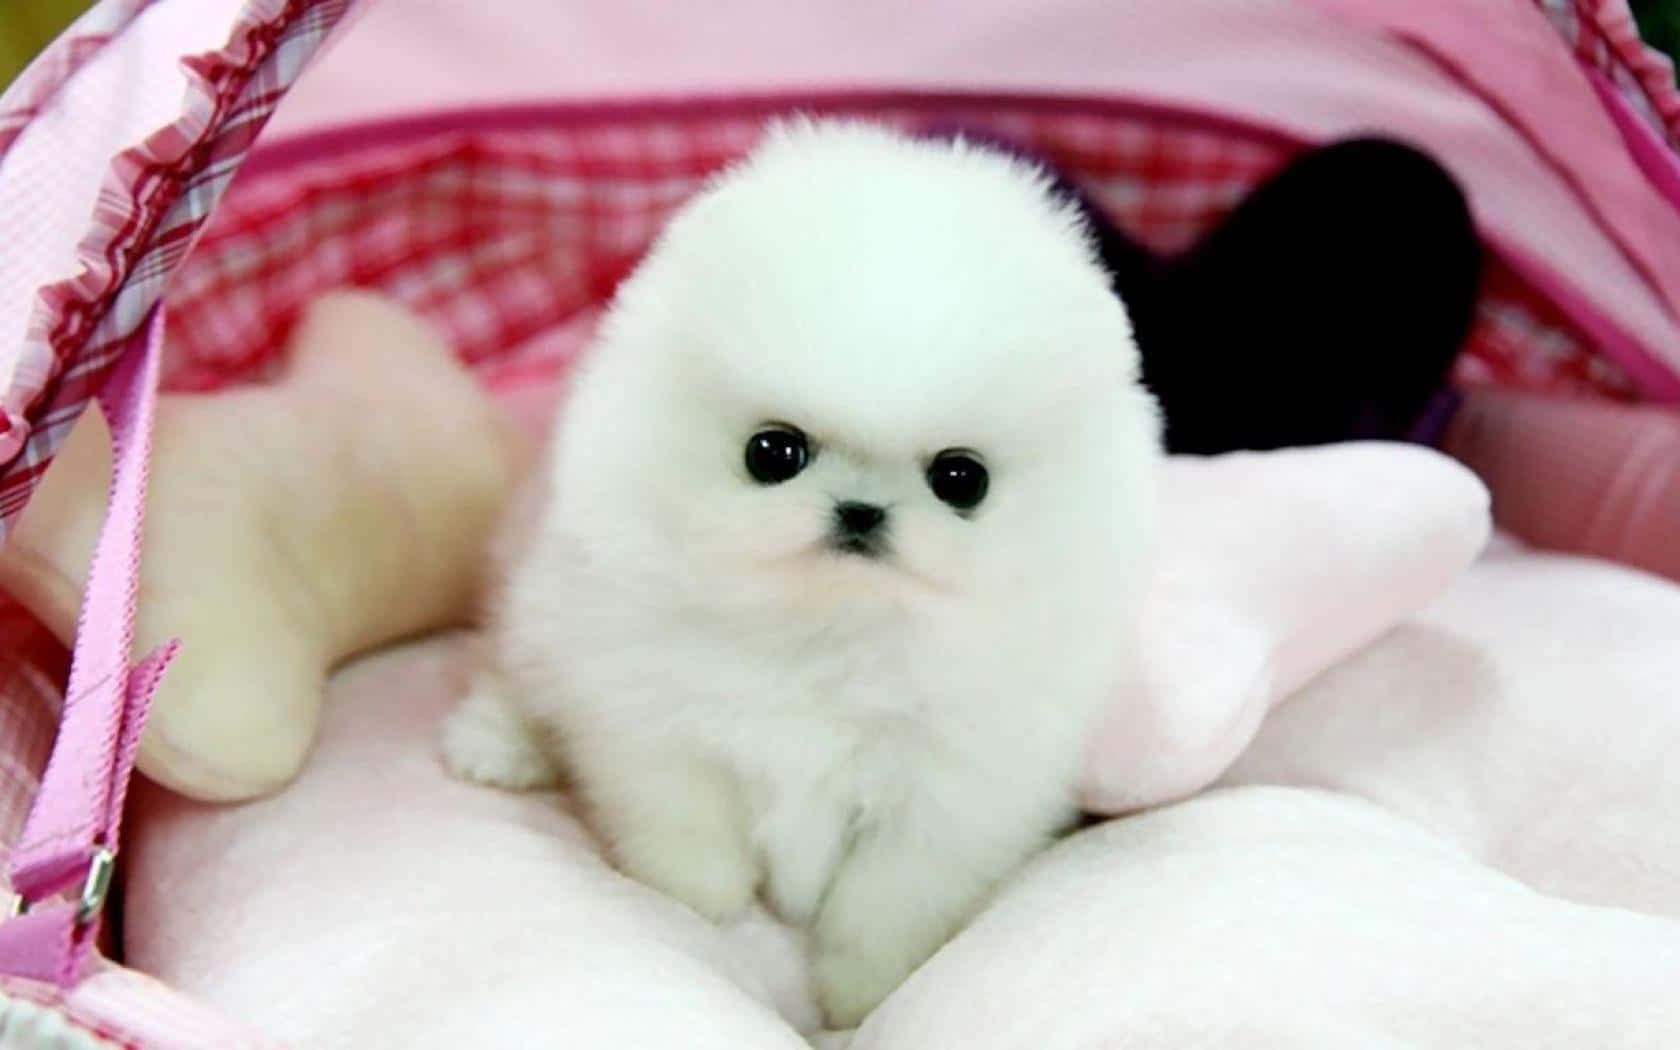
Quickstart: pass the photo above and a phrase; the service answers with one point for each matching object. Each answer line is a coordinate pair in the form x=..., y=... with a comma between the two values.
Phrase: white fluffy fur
x=872, y=744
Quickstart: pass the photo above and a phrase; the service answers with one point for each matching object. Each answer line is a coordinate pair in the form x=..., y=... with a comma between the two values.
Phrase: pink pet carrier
x=498, y=167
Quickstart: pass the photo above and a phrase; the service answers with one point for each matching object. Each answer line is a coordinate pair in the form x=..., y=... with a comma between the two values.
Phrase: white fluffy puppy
x=835, y=548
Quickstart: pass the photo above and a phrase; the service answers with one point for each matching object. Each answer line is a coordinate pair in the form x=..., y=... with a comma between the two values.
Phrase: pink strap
x=70, y=837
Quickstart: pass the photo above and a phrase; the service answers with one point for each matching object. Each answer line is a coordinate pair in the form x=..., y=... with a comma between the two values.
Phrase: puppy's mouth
x=874, y=557
x=851, y=545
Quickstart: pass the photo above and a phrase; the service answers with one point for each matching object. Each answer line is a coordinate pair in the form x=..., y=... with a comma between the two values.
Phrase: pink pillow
x=1275, y=567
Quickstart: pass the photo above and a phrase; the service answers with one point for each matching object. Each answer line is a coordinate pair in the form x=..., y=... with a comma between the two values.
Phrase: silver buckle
x=96, y=886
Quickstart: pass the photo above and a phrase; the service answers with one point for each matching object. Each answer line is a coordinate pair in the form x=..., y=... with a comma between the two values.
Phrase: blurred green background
x=27, y=25
x=1659, y=24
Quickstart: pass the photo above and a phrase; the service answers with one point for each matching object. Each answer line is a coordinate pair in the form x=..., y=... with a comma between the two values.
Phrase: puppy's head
x=861, y=371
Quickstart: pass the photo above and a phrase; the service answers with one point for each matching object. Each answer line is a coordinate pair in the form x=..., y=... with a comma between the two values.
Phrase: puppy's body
x=871, y=716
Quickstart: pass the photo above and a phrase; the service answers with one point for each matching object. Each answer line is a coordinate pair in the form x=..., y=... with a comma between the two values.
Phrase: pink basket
x=502, y=193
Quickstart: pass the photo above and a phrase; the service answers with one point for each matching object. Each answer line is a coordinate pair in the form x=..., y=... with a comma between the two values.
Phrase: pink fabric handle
x=73, y=825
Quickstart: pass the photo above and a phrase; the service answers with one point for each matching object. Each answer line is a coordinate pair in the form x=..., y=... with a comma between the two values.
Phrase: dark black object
x=1328, y=306
x=776, y=455
x=958, y=479
x=1659, y=24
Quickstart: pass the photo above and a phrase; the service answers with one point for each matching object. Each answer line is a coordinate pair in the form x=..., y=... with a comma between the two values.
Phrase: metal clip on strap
x=71, y=833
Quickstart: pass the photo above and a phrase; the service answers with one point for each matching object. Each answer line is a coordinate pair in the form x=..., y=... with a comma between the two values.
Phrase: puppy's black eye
x=774, y=456
x=958, y=479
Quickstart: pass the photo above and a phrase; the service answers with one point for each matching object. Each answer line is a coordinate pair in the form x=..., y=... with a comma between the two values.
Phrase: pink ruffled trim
x=1606, y=38
x=157, y=196
x=137, y=1012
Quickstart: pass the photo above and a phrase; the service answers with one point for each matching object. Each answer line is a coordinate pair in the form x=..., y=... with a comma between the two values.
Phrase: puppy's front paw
x=716, y=877
x=487, y=741
x=850, y=983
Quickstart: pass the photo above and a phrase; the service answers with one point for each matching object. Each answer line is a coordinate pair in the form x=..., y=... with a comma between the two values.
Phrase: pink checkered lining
x=499, y=229
x=136, y=1012
x=1602, y=32
x=157, y=198
x=1606, y=38
x=65, y=362
x=32, y=675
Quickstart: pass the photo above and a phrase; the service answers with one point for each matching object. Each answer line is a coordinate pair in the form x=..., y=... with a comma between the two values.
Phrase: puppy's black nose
x=858, y=519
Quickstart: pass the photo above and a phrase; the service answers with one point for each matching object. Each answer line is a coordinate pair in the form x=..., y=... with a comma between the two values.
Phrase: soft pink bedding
x=378, y=903
x=1467, y=835
x=1463, y=834
x=1530, y=716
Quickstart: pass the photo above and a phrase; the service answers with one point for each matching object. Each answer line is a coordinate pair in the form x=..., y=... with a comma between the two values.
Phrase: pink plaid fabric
x=159, y=194
x=80, y=320
x=136, y=1012
x=500, y=226
x=1606, y=38
x=33, y=669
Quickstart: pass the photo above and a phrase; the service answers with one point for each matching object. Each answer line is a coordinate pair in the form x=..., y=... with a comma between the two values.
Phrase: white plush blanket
x=1465, y=833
